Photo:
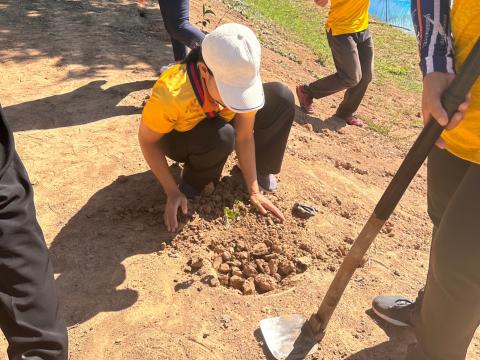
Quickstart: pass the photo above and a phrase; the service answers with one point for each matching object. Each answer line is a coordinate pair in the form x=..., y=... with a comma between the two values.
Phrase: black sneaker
x=267, y=182
x=395, y=310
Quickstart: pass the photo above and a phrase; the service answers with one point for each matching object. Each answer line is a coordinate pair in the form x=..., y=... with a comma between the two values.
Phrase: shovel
x=293, y=336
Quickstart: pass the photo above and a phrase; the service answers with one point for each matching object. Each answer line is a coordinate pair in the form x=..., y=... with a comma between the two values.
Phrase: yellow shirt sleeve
x=160, y=114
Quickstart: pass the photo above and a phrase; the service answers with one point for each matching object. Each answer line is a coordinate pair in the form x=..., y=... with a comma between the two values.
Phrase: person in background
x=352, y=50
x=446, y=312
x=183, y=35
x=29, y=316
x=208, y=105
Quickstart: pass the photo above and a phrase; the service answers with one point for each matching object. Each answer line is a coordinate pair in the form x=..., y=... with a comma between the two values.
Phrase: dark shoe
x=188, y=190
x=267, y=182
x=395, y=310
x=305, y=99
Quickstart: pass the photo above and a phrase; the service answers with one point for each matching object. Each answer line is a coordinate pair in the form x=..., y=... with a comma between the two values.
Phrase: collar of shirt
x=209, y=104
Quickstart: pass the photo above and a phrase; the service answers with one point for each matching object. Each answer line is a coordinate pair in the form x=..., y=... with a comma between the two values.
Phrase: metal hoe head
x=289, y=337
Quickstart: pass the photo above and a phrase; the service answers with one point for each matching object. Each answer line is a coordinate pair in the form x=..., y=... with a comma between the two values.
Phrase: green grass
x=376, y=127
x=395, y=51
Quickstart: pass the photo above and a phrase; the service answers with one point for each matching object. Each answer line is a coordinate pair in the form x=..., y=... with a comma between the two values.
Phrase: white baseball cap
x=232, y=53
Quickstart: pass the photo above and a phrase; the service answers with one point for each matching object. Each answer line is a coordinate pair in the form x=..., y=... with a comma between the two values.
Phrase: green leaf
x=230, y=215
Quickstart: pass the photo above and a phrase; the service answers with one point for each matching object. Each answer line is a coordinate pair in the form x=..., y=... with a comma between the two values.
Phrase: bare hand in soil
x=434, y=84
x=264, y=205
x=174, y=201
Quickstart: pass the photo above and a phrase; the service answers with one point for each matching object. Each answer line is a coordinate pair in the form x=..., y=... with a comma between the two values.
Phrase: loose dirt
x=73, y=80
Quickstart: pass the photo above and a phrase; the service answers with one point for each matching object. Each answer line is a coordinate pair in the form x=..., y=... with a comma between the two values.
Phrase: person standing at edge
x=29, y=315
x=211, y=103
x=352, y=50
x=176, y=18
x=446, y=312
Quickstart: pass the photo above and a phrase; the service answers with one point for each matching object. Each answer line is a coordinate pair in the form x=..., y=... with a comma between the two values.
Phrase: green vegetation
x=395, y=51
x=235, y=213
x=229, y=215
x=205, y=17
x=376, y=127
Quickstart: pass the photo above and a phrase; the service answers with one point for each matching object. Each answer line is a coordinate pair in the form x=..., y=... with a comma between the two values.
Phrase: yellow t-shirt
x=347, y=16
x=464, y=140
x=173, y=104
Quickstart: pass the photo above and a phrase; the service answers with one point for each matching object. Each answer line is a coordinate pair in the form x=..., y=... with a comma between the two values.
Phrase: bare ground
x=73, y=80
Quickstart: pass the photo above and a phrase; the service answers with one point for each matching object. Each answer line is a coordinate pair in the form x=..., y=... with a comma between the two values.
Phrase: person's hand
x=321, y=3
x=264, y=205
x=174, y=201
x=434, y=84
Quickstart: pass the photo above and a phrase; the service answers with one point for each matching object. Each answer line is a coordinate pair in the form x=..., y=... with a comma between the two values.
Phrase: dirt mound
x=252, y=253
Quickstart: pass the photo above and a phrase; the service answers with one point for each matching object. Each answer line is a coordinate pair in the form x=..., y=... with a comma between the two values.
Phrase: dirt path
x=73, y=78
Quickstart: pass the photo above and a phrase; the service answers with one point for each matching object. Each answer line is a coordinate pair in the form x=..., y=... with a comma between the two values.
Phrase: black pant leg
x=450, y=309
x=272, y=127
x=29, y=315
x=354, y=95
x=176, y=17
x=203, y=149
x=347, y=63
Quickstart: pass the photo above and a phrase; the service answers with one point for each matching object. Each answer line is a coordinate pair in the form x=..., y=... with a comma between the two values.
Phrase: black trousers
x=176, y=18
x=206, y=147
x=353, y=58
x=29, y=315
x=450, y=307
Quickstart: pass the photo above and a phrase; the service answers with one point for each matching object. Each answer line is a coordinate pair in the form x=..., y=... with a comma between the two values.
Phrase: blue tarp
x=395, y=12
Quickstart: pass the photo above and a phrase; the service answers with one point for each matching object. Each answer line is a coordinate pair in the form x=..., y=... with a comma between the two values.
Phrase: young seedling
x=205, y=21
x=229, y=215
x=238, y=209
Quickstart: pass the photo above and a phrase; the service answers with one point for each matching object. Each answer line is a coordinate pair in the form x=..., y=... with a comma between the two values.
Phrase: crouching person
x=209, y=105
x=29, y=315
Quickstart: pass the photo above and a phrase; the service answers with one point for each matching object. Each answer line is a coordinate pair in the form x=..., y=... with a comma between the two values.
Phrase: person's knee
x=173, y=28
x=350, y=80
x=366, y=77
x=226, y=140
x=283, y=96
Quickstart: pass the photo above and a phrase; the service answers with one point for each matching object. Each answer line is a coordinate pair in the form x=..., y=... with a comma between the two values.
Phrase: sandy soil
x=74, y=75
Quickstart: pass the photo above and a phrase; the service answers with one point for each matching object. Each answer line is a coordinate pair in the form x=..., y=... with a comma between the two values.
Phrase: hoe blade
x=288, y=337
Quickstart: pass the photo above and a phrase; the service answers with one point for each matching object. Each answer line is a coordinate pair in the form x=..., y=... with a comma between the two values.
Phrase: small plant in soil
x=238, y=209
x=205, y=21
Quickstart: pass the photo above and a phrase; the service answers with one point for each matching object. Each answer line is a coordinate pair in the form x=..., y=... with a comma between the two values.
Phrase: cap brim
x=242, y=100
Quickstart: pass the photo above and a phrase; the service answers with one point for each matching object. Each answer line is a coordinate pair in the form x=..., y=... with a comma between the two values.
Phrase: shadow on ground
x=96, y=35
x=333, y=123
x=394, y=349
x=259, y=337
x=121, y=220
x=86, y=104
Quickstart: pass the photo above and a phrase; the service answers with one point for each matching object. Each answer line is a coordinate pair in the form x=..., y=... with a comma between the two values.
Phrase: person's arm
x=431, y=20
x=157, y=161
x=245, y=149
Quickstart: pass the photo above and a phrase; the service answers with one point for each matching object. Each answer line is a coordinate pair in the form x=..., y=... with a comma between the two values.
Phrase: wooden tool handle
x=451, y=99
